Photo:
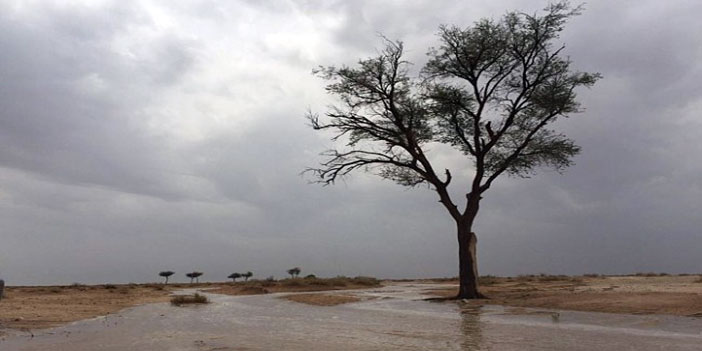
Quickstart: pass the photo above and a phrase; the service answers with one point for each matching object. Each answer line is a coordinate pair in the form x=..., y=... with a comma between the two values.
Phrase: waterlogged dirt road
x=389, y=318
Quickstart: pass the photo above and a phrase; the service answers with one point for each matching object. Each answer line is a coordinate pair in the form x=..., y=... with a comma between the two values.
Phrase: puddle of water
x=395, y=319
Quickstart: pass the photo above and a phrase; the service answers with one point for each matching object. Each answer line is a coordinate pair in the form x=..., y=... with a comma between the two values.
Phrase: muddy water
x=392, y=320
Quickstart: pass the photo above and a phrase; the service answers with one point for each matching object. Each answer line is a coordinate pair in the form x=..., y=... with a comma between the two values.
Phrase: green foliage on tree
x=492, y=91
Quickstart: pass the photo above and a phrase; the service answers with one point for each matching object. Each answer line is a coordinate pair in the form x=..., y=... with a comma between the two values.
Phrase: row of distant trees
x=294, y=272
x=192, y=275
x=235, y=276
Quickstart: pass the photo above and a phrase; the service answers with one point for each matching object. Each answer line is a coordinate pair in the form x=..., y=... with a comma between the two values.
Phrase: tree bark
x=468, y=264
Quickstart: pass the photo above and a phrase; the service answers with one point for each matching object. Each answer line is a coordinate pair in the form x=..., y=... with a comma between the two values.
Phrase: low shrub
x=367, y=281
x=319, y=282
x=651, y=274
x=445, y=279
x=268, y=282
x=338, y=281
x=254, y=290
x=78, y=286
x=196, y=298
x=552, y=278
x=292, y=282
x=488, y=280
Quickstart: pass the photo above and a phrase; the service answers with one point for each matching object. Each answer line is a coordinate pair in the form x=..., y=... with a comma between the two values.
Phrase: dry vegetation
x=196, y=298
x=322, y=299
x=643, y=293
x=295, y=285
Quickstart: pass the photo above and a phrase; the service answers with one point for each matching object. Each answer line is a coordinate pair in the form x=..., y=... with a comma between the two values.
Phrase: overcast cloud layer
x=143, y=136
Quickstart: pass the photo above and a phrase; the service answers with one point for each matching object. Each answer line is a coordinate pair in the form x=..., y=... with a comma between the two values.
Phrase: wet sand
x=393, y=317
x=671, y=295
x=44, y=307
x=49, y=306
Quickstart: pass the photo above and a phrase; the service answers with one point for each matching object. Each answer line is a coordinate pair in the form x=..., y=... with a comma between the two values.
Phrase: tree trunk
x=468, y=264
x=166, y=280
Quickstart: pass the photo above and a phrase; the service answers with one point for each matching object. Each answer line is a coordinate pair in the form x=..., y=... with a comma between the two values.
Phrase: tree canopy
x=492, y=91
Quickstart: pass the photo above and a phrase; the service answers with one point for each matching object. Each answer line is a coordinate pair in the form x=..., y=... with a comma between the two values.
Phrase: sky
x=141, y=136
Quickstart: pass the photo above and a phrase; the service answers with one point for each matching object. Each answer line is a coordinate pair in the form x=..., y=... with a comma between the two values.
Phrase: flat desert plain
x=48, y=306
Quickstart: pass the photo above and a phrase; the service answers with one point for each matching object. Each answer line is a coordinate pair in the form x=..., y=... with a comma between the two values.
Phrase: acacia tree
x=247, y=275
x=294, y=272
x=166, y=274
x=235, y=276
x=491, y=90
x=195, y=276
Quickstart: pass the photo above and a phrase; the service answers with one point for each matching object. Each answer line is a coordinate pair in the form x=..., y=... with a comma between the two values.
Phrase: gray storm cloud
x=139, y=136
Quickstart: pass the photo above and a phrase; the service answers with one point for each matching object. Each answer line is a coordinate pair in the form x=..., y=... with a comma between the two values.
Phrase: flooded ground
x=391, y=318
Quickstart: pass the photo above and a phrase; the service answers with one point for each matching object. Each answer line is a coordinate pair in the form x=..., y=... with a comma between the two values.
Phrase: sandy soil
x=49, y=306
x=675, y=295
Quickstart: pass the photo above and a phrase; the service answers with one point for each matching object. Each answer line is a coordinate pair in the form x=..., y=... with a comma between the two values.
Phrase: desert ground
x=648, y=293
x=36, y=307
x=681, y=295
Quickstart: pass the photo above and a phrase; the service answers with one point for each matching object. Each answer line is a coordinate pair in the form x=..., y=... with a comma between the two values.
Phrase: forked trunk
x=468, y=264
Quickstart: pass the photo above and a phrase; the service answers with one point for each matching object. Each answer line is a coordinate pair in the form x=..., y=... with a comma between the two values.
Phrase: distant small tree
x=234, y=276
x=166, y=274
x=2, y=288
x=194, y=275
x=247, y=275
x=294, y=272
